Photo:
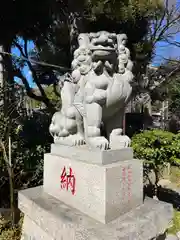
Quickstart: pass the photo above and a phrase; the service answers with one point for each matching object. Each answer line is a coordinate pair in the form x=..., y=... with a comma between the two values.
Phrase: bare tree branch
x=29, y=90
x=43, y=98
x=167, y=78
x=161, y=29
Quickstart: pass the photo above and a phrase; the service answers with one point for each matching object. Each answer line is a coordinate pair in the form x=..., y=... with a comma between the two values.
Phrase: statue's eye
x=92, y=35
x=97, y=35
x=112, y=36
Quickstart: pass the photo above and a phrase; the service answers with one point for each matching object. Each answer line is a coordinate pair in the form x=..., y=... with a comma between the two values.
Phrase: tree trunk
x=10, y=113
x=156, y=172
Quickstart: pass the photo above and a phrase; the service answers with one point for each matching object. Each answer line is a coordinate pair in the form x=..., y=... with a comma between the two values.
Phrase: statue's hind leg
x=76, y=131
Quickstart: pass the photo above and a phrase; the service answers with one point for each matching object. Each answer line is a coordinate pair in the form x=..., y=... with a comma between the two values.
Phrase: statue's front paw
x=98, y=142
x=119, y=141
x=71, y=140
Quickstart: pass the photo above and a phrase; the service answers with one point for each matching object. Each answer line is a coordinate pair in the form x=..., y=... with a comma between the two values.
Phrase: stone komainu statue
x=96, y=93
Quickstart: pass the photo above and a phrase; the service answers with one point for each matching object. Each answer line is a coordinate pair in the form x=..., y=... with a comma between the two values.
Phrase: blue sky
x=26, y=70
x=166, y=51
x=163, y=50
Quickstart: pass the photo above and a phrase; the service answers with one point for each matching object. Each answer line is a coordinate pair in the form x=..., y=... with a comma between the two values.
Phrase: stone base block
x=49, y=219
x=103, y=192
x=94, y=156
x=32, y=231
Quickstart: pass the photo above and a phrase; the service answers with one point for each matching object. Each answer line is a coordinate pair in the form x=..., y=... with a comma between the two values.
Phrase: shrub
x=8, y=232
x=156, y=148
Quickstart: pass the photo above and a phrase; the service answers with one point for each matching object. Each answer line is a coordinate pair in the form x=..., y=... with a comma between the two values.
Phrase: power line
x=36, y=62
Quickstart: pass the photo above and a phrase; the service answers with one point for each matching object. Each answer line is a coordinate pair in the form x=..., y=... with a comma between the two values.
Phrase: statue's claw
x=78, y=139
x=71, y=140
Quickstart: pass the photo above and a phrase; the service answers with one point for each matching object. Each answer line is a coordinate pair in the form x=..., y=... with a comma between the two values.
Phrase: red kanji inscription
x=123, y=183
x=129, y=183
x=68, y=181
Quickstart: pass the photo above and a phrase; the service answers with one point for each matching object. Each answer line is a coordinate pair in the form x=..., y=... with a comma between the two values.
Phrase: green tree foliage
x=24, y=18
x=27, y=153
x=160, y=84
x=166, y=86
x=50, y=92
x=145, y=23
x=58, y=37
x=54, y=26
x=21, y=153
x=54, y=98
x=174, y=96
x=28, y=19
x=173, y=87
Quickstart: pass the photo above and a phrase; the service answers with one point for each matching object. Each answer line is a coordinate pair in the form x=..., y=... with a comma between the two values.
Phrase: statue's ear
x=83, y=40
x=121, y=39
x=113, y=35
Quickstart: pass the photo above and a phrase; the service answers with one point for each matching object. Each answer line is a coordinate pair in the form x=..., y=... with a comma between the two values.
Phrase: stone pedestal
x=91, y=194
x=47, y=218
x=102, y=191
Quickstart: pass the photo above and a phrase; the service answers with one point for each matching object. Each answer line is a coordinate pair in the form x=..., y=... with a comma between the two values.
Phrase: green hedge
x=157, y=148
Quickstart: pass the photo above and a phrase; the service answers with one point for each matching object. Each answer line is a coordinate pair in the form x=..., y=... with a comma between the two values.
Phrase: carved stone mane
x=97, y=92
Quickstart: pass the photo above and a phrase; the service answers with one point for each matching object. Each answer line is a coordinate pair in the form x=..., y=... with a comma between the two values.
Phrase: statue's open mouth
x=102, y=52
x=102, y=48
